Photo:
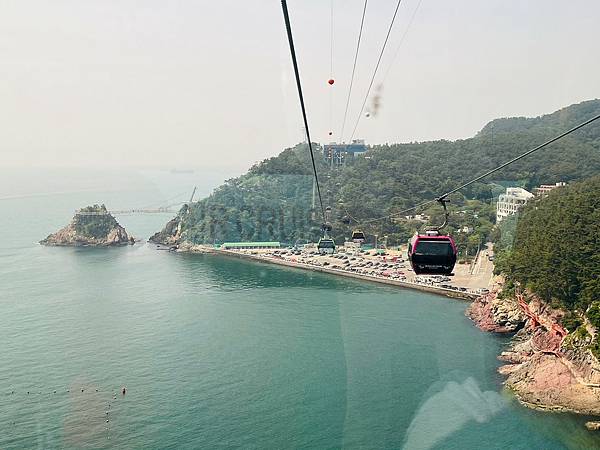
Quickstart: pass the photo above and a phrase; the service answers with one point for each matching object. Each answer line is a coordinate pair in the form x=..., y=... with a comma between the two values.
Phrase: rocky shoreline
x=170, y=235
x=92, y=226
x=546, y=368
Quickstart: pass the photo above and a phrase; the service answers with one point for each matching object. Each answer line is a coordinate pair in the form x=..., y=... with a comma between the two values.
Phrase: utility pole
x=192, y=197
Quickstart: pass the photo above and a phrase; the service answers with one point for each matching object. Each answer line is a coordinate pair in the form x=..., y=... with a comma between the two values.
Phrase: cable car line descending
x=412, y=18
x=301, y=97
x=376, y=68
x=331, y=80
x=362, y=22
x=443, y=198
x=331, y=43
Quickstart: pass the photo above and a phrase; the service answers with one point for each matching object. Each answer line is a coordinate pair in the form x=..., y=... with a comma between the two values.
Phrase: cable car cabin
x=326, y=246
x=432, y=254
x=358, y=236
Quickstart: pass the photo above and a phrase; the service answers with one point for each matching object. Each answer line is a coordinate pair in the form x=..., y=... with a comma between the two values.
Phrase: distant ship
x=182, y=170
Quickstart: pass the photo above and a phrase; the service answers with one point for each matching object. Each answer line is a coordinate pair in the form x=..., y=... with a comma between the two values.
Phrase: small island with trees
x=92, y=226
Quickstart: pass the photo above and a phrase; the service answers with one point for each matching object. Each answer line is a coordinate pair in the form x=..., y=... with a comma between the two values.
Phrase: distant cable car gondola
x=326, y=246
x=358, y=236
x=433, y=253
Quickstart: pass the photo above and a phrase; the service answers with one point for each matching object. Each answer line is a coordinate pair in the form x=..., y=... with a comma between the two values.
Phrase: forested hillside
x=556, y=248
x=273, y=200
x=556, y=251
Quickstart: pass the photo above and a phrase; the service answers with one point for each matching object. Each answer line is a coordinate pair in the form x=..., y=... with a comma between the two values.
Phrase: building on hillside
x=510, y=202
x=419, y=217
x=249, y=245
x=543, y=189
x=336, y=155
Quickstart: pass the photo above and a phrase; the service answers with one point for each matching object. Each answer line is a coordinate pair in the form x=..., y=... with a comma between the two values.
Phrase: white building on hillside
x=510, y=202
x=545, y=188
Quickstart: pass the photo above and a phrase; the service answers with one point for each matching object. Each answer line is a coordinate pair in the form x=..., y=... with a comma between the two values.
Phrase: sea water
x=217, y=352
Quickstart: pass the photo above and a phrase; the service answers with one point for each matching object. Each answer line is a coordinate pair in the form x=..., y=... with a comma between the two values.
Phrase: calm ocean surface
x=222, y=353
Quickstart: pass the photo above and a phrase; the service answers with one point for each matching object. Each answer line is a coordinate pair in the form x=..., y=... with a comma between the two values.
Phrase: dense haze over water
x=222, y=353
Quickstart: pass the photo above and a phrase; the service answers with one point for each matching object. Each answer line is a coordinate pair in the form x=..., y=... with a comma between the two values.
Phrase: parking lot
x=389, y=264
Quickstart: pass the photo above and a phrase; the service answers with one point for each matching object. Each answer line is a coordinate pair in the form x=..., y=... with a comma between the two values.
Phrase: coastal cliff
x=170, y=235
x=496, y=315
x=546, y=367
x=551, y=299
x=91, y=226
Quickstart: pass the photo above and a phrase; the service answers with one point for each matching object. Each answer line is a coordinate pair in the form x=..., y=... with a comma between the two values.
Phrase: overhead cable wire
x=331, y=67
x=301, y=97
x=331, y=40
x=412, y=18
x=443, y=197
x=350, y=216
x=362, y=22
x=376, y=68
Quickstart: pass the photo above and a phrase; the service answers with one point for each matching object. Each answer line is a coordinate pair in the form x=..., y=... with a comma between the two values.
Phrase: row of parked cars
x=442, y=281
x=439, y=281
x=359, y=264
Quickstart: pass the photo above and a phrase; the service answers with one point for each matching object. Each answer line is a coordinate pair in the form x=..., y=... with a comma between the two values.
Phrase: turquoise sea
x=223, y=353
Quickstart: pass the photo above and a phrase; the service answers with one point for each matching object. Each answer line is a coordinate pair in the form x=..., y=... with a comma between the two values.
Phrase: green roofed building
x=249, y=245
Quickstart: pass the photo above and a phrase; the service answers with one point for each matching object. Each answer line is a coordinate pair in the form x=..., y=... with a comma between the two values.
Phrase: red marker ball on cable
x=331, y=81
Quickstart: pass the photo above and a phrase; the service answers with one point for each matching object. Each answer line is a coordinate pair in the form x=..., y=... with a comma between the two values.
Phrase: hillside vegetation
x=273, y=200
x=96, y=226
x=556, y=248
x=556, y=252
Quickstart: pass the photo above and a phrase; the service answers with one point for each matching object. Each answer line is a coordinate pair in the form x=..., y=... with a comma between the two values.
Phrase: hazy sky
x=209, y=83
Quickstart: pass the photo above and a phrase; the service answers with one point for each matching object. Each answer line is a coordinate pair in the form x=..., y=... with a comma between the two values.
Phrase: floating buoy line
x=106, y=417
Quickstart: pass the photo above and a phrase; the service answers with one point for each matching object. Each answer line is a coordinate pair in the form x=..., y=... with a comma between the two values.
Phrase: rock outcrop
x=592, y=426
x=548, y=381
x=170, y=235
x=91, y=226
x=545, y=367
x=496, y=315
x=557, y=372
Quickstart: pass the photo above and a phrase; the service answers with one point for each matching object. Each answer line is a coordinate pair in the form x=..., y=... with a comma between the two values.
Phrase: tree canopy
x=555, y=252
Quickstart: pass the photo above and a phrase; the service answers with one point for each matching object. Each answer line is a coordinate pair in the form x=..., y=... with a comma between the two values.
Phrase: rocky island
x=92, y=226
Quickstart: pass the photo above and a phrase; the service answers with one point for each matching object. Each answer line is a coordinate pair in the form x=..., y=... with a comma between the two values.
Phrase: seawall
x=374, y=279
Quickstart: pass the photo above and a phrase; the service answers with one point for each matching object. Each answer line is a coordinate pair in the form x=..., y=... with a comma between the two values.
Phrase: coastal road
x=483, y=271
